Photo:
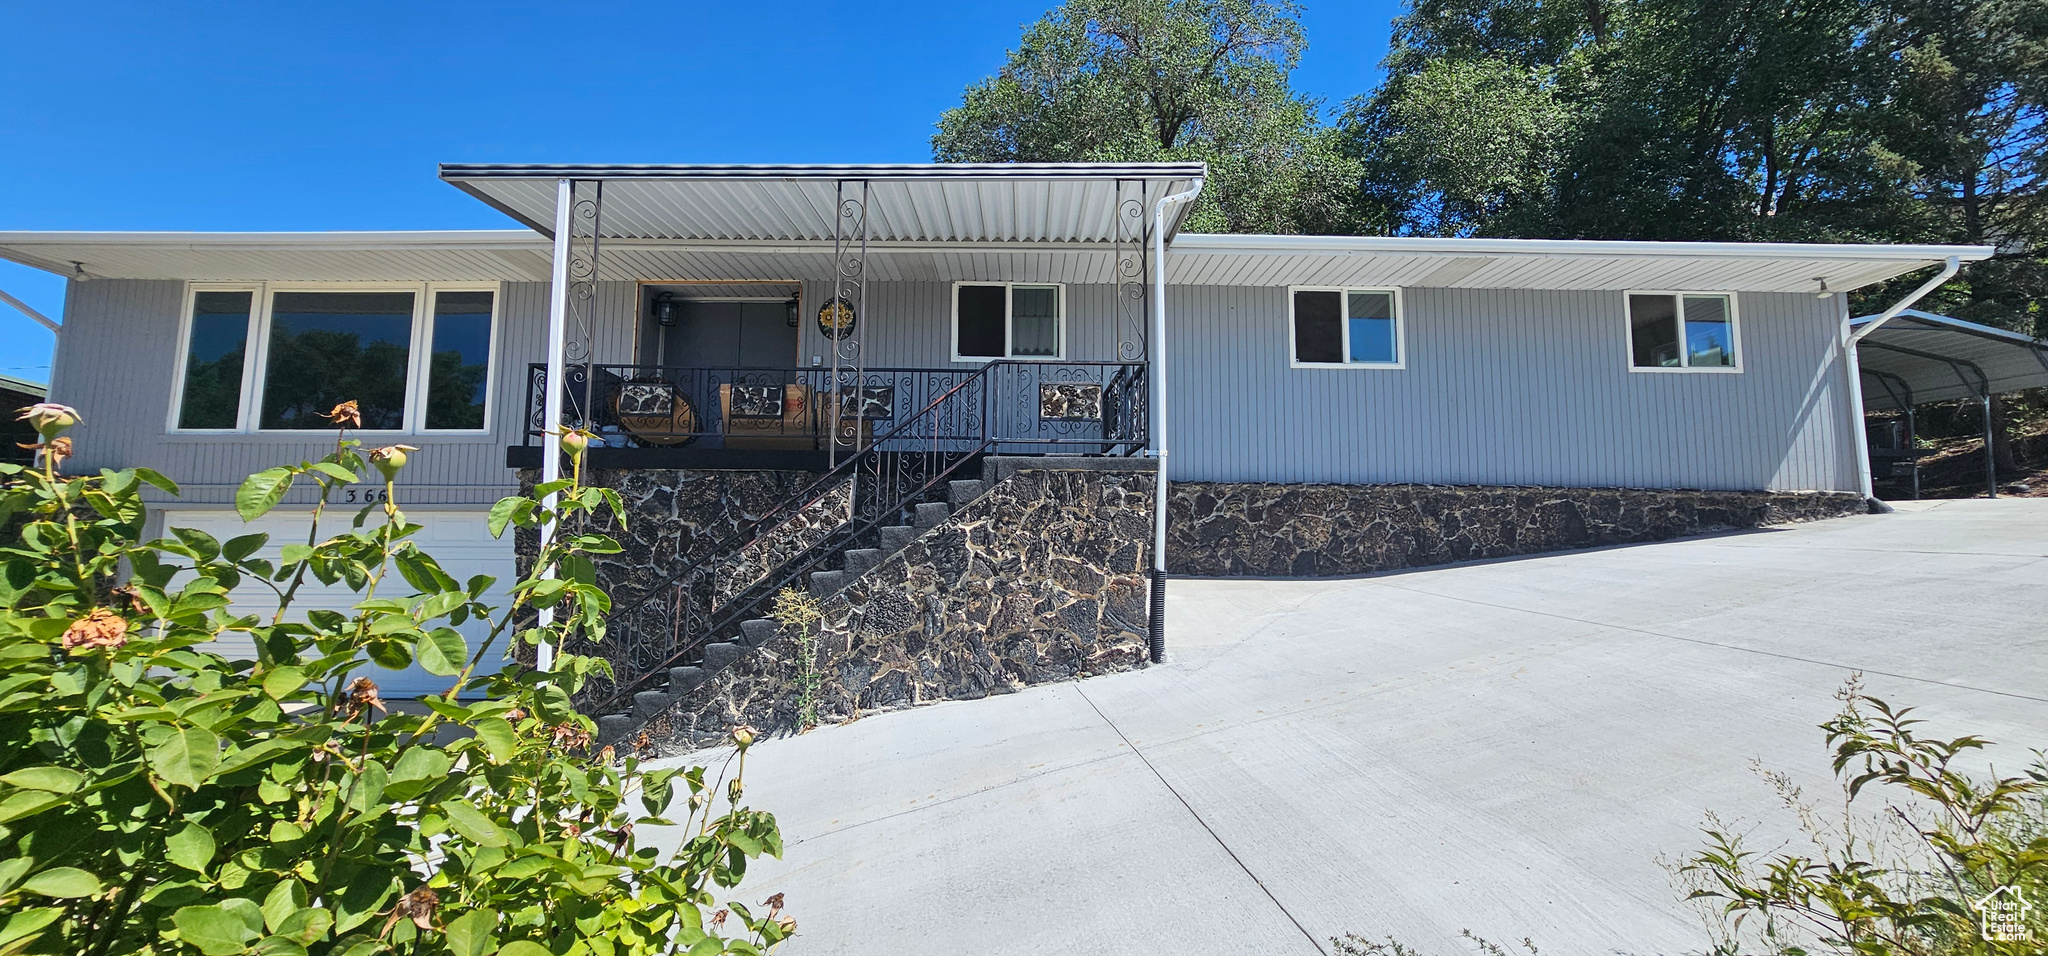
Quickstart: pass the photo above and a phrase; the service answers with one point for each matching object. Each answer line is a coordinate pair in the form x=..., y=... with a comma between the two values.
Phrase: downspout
x=1854, y=338
x=1155, y=639
x=551, y=403
x=25, y=309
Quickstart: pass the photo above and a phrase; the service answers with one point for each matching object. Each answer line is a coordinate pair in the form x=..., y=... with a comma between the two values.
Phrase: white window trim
x=1344, y=323
x=256, y=356
x=1628, y=326
x=184, y=354
x=1009, y=323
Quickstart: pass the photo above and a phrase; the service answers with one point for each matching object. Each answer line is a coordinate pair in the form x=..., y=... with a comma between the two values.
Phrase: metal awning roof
x=957, y=202
x=1939, y=358
x=1558, y=264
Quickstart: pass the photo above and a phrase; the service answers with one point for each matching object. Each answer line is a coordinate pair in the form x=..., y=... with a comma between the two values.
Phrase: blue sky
x=292, y=116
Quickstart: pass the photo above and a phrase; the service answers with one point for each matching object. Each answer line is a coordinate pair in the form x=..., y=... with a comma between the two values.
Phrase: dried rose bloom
x=362, y=695
x=101, y=628
x=58, y=449
x=345, y=415
x=129, y=593
x=419, y=906
x=571, y=737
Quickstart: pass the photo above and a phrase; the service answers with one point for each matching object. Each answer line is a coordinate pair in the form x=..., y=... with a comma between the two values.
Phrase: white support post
x=1852, y=339
x=1156, y=623
x=551, y=403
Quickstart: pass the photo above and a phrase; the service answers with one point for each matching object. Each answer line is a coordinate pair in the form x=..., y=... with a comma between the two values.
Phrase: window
x=214, y=353
x=459, y=362
x=413, y=358
x=994, y=320
x=1347, y=327
x=1677, y=331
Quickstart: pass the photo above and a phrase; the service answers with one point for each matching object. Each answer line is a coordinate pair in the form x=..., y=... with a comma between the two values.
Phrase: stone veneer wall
x=1230, y=529
x=1041, y=579
x=674, y=516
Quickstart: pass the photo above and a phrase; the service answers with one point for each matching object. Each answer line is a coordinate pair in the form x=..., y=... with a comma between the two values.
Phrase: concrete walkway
x=1508, y=747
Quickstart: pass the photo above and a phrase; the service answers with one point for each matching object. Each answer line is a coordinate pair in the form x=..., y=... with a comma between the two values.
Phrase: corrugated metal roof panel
x=1045, y=202
x=2008, y=360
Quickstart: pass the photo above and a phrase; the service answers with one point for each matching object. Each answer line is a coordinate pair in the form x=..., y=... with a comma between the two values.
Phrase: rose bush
x=160, y=795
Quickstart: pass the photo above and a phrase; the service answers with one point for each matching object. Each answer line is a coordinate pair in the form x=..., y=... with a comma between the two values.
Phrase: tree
x=1166, y=80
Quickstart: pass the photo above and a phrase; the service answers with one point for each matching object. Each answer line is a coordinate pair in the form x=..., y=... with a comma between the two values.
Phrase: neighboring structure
x=866, y=377
x=17, y=394
x=1919, y=357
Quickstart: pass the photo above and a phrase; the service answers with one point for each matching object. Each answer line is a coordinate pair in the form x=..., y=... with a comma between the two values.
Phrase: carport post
x=1990, y=460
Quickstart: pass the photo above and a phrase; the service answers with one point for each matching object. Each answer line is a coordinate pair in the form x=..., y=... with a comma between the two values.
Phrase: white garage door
x=459, y=540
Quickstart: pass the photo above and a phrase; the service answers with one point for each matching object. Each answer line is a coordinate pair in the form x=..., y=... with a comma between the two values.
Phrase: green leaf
x=394, y=654
x=261, y=492
x=63, y=882
x=27, y=804
x=507, y=511
x=156, y=478
x=284, y=901
x=498, y=737
x=52, y=779
x=278, y=946
x=187, y=757
x=524, y=947
x=26, y=924
x=202, y=544
x=442, y=651
x=473, y=933
x=420, y=763
x=472, y=824
x=336, y=472
x=306, y=925
x=241, y=547
x=440, y=604
x=282, y=682
x=214, y=930
x=191, y=847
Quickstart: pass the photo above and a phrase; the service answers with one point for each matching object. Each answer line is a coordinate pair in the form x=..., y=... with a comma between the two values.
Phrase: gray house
x=935, y=395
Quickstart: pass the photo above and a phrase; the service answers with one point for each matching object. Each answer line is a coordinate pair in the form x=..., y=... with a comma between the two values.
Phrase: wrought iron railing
x=1078, y=407
x=1087, y=408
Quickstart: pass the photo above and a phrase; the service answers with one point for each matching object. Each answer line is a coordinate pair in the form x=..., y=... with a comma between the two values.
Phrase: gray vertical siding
x=909, y=324
x=1502, y=386
x=1508, y=387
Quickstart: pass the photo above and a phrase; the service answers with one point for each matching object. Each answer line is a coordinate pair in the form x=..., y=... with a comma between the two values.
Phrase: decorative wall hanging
x=836, y=318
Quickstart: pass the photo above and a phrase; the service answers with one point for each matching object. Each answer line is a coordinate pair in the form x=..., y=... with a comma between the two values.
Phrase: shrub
x=1909, y=886
x=158, y=796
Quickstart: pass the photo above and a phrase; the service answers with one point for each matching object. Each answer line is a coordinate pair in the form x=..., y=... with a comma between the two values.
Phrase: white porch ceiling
x=965, y=202
x=521, y=255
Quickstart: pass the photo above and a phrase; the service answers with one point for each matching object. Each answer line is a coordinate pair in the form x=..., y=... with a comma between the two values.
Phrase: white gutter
x=1855, y=364
x=1948, y=271
x=40, y=319
x=551, y=403
x=1156, y=639
x=1237, y=244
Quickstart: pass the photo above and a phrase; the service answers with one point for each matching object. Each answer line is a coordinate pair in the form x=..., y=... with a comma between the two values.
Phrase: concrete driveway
x=1508, y=747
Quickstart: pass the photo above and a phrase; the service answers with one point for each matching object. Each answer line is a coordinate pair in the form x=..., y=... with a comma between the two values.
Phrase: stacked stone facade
x=1250, y=529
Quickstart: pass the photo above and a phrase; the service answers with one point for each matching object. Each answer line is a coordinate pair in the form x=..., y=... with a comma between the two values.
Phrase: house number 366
x=367, y=495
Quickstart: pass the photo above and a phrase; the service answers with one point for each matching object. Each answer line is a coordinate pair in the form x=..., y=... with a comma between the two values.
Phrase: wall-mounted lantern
x=665, y=310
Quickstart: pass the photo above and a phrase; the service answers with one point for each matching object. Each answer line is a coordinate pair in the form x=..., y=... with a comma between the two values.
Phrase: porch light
x=1825, y=292
x=665, y=310
x=792, y=312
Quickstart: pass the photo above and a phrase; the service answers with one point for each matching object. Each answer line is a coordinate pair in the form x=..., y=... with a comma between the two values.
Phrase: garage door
x=459, y=540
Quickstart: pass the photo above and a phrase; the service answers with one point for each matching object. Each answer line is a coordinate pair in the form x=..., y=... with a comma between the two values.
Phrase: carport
x=1920, y=357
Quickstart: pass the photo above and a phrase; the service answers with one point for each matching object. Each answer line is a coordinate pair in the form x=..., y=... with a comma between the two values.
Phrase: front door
x=731, y=335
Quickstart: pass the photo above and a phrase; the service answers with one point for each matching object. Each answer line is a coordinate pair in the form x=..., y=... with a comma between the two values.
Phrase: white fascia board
x=1226, y=244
